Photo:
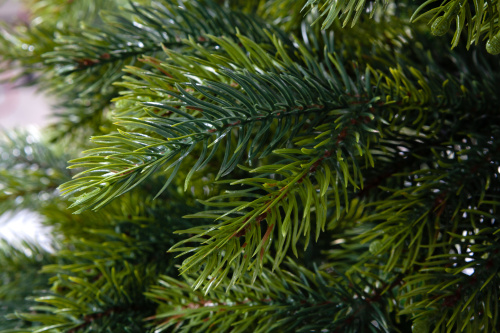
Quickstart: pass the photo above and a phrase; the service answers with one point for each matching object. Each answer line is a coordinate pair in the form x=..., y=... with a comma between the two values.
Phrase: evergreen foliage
x=256, y=166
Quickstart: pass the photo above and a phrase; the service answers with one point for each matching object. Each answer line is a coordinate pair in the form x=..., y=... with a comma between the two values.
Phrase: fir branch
x=292, y=190
x=153, y=26
x=71, y=14
x=24, y=46
x=437, y=196
x=297, y=299
x=480, y=17
x=375, y=142
x=81, y=68
x=226, y=236
x=221, y=107
x=99, y=278
x=20, y=278
x=447, y=297
x=30, y=171
x=138, y=155
x=348, y=11
x=179, y=135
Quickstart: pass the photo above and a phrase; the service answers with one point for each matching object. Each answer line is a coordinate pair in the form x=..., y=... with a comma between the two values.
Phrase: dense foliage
x=256, y=166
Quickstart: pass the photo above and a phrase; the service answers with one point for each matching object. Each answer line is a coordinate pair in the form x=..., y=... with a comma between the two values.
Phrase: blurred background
x=20, y=107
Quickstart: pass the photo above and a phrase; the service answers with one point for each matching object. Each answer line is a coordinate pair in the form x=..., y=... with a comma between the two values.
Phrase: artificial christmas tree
x=257, y=166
